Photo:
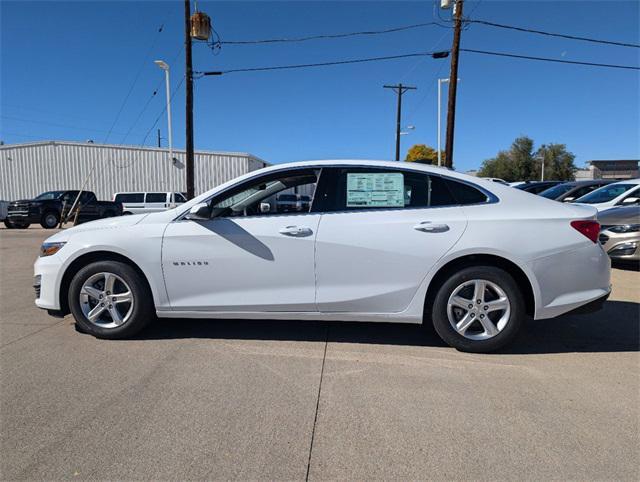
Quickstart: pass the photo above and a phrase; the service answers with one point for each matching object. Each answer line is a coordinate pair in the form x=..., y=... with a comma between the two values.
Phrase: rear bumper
x=591, y=307
x=571, y=279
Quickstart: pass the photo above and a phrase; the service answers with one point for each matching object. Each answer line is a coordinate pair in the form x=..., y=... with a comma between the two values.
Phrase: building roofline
x=127, y=147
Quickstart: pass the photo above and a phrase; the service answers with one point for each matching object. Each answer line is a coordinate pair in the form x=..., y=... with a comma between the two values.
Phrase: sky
x=78, y=70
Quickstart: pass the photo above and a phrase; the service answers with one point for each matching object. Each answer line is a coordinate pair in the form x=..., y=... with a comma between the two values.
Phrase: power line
x=546, y=59
x=54, y=124
x=552, y=34
x=332, y=36
x=441, y=54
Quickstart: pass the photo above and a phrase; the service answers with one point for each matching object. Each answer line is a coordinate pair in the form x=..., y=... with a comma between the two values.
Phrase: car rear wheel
x=478, y=309
x=109, y=299
x=49, y=220
x=8, y=224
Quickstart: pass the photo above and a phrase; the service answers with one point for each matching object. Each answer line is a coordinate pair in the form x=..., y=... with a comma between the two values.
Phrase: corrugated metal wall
x=29, y=169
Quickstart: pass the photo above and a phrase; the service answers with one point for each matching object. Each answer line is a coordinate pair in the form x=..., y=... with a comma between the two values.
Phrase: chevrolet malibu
x=379, y=241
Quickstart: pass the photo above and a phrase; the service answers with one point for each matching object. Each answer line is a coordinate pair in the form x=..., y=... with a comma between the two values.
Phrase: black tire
x=127, y=213
x=505, y=336
x=21, y=225
x=50, y=220
x=142, y=310
x=8, y=225
x=109, y=214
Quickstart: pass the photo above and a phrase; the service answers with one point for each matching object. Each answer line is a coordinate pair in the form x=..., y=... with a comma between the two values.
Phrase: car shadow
x=616, y=328
x=626, y=266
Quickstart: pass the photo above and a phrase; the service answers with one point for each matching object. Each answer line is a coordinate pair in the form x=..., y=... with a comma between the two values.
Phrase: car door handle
x=296, y=231
x=428, y=227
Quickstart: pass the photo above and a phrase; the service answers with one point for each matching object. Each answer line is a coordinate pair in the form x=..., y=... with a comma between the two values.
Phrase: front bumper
x=47, y=270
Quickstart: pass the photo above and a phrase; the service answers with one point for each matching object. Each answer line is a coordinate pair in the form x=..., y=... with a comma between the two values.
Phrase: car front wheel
x=109, y=299
x=478, y=309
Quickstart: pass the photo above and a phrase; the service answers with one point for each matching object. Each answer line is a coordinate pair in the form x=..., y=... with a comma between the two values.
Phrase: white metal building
x=28, y=169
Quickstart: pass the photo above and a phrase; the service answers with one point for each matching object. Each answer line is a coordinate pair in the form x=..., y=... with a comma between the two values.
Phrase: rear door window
x=156, y=197
x=371, y=188
x=130, y=197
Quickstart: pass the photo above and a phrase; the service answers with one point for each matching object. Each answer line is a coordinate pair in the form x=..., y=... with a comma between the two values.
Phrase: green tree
x=423, y=154
x=558, y=162
x=522, y=163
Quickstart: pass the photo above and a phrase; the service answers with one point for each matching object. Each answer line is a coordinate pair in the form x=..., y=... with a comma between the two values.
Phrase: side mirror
x=199, y=212
x=568, y=199
x=630, y=201
x=265, y=208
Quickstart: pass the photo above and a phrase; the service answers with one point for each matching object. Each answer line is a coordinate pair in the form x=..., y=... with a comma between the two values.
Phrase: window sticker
x=375, y=189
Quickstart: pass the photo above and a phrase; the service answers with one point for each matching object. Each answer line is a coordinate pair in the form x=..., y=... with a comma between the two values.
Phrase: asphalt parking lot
x=196, y=399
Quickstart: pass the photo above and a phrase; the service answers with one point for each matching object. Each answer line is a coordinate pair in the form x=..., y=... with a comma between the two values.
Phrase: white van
x=148, y=202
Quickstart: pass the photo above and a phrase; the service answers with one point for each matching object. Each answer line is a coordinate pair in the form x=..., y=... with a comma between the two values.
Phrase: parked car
x=570, y=191
x=306, y=202
x=622, y=193
x=620, y=232
x=536, y=187
x=381, y=241
x=286, y=203
x=148, y=202
x=46, y=209
x=496, y=179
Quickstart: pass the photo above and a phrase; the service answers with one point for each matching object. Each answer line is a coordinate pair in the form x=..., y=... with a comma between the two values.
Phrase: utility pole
x=453, y=82
x=399, y=89
x=189, y=99
x=159, y=145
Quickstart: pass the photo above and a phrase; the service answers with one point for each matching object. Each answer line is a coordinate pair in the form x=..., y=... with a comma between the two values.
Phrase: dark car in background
x=536, y=187
x=620, y=233
x=47, y=209
x=570, y=191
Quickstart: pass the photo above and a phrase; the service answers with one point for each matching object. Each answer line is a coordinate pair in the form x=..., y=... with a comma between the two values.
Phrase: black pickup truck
x=46, y=209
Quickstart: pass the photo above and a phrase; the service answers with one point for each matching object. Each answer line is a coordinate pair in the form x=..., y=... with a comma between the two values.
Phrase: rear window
x=156, y=197
x=131, y=197
x=556, y=191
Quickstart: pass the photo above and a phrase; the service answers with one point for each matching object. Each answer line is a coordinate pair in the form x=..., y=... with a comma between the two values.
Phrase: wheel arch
x=468, y=260
x=90, y=257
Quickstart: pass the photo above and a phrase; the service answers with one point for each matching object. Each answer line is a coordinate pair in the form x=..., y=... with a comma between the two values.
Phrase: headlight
x=625, y=228
x=48, y=249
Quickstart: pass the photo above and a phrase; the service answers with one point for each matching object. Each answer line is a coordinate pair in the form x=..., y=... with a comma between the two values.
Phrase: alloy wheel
x=478, y=309
x=106, y=300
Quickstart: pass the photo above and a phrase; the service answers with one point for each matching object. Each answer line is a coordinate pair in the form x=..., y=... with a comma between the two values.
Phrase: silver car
x=620, y=232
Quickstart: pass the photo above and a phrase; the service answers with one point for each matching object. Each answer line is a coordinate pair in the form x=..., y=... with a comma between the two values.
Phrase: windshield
x=50, y=195
x=556, y=191
x=605, y=193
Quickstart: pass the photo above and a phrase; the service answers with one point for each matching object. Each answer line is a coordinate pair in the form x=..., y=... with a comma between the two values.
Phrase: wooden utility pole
x=189, y=99
x=453, y=84
x=399, y=89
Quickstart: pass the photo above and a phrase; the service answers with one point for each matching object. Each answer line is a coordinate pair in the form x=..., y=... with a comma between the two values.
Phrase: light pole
x=164, y=66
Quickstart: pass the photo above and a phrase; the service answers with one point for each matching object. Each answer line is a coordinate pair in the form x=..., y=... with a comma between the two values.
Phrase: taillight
x=591, y=229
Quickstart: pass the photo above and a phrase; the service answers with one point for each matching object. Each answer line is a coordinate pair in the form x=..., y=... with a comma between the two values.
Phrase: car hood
x=107, y=223
x=620, y=215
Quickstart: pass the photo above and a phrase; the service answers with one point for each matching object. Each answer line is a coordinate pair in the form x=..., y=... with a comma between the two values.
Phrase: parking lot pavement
x=194, y=399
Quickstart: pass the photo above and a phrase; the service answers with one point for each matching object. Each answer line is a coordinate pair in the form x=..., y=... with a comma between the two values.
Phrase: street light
x=440, y=82
x=164, y=66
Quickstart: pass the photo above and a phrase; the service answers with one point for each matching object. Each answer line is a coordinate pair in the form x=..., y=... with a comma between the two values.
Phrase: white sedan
x=623, y=193
x=380, y=241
